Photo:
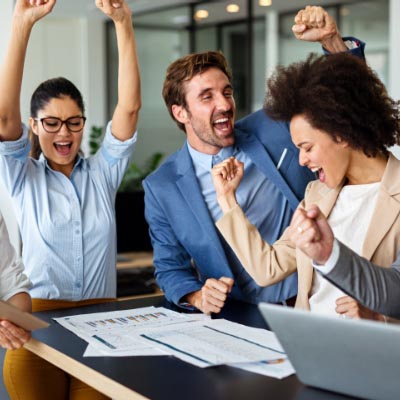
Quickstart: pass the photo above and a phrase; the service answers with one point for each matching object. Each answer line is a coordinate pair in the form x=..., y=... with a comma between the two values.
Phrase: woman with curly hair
x=343, y=123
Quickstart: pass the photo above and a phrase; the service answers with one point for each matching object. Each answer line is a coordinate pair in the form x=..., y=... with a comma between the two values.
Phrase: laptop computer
x=354, y=357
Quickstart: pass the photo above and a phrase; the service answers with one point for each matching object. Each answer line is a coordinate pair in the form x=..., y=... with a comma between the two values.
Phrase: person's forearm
x=11, y=80
x=227, y=201
x=129, y=92
x=194, y=299
x=375, y=287
x=22, y=301
x=334, y=44
x=266, y=264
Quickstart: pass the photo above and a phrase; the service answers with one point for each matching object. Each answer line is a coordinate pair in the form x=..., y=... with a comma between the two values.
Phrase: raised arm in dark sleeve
x=375, y=287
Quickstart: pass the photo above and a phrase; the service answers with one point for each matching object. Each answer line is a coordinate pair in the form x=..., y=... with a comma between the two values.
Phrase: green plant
x=95, y=139
x=134, y=175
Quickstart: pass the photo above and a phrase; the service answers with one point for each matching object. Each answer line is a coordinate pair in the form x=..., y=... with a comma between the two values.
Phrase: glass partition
x=366, y=20
x=161, y=38
x=369, y=21
x=165, y=35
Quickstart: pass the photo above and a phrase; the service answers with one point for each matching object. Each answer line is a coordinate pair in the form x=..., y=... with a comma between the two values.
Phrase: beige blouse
x=270, y=264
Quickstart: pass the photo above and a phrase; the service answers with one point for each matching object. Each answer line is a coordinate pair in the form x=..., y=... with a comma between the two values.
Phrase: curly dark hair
x=340, y=95
x=183, y=70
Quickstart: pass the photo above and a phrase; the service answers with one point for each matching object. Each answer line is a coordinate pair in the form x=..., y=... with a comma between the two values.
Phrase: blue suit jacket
x=181, y=227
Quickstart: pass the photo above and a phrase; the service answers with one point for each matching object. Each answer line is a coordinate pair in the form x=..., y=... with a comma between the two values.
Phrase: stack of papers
x=200, y=341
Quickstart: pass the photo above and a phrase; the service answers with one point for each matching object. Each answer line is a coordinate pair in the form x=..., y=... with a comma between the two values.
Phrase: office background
x=76, y=42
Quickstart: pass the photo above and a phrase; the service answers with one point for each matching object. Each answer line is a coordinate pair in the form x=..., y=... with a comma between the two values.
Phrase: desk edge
x=95, y=379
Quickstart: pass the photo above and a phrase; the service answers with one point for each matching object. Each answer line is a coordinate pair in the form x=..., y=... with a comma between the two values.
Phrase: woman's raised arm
x=26, y=14
x=126, y=112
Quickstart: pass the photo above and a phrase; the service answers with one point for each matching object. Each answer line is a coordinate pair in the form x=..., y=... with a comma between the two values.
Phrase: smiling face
x=210, y=112
x=320, y=153
x=61, y=148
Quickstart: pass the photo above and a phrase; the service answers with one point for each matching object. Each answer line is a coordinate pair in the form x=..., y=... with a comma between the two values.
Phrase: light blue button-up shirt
x=67, y=226
x=265, y=207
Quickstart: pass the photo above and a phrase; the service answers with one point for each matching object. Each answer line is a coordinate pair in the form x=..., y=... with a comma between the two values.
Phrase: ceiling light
x=265, y=3
x=232, y=8
x=201, y=14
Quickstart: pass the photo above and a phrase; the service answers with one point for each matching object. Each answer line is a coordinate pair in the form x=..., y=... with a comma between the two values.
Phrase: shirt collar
x=206, y=160
x=80, y=162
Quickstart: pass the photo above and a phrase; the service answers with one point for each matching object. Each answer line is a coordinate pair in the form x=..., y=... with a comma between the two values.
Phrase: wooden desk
x=135, y=260
x=163, y=377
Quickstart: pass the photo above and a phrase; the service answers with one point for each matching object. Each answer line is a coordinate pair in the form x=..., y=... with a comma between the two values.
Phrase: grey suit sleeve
x=375, y=287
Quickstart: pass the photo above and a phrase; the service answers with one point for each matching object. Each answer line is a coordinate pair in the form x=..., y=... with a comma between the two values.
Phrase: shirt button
x=78, y=285
x=77, y=231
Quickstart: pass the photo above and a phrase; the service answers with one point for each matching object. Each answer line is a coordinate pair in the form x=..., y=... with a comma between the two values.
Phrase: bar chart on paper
x=194, y=338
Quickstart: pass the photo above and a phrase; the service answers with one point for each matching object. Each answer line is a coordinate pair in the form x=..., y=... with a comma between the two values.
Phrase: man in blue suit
x=194, y=265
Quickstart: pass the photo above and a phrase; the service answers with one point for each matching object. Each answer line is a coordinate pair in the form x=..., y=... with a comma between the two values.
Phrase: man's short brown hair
x=183, y=70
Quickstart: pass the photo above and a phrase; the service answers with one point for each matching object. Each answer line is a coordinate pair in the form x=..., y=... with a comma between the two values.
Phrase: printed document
x=202, y=342
x=113, y=333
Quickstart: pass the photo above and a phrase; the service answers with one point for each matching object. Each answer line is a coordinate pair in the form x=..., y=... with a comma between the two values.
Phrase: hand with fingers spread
x=212, y=296
x=314, y=24
x=348, y=307
x=12, y=336
x=226, y=177
x=311, y=233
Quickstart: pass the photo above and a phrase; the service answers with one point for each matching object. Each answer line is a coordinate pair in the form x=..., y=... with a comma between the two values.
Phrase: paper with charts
x=159, y=331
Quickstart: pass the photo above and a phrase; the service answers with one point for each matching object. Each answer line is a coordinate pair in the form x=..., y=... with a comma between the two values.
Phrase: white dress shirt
x=349, y=219
x=12, y=278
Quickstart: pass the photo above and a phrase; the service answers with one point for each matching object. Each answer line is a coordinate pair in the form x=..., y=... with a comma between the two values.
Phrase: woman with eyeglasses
x=64, y=202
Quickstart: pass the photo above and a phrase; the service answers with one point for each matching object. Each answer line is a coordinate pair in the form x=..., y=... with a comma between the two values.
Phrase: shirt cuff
x=331, y=262
x=354, y=46
x=19, y=149
x=114, y=149
x=186, y=306
x=351, y=44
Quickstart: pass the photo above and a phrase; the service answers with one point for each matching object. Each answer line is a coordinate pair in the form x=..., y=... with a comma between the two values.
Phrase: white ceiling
x=76, y=8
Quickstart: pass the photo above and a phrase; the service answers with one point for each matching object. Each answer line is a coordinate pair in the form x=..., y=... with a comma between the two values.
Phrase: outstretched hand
x=311, y=233
x=117, y=10
x=33, y=10
x=314, y=24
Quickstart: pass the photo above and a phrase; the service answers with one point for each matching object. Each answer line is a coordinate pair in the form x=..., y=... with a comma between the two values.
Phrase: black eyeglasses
x=53, y=124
